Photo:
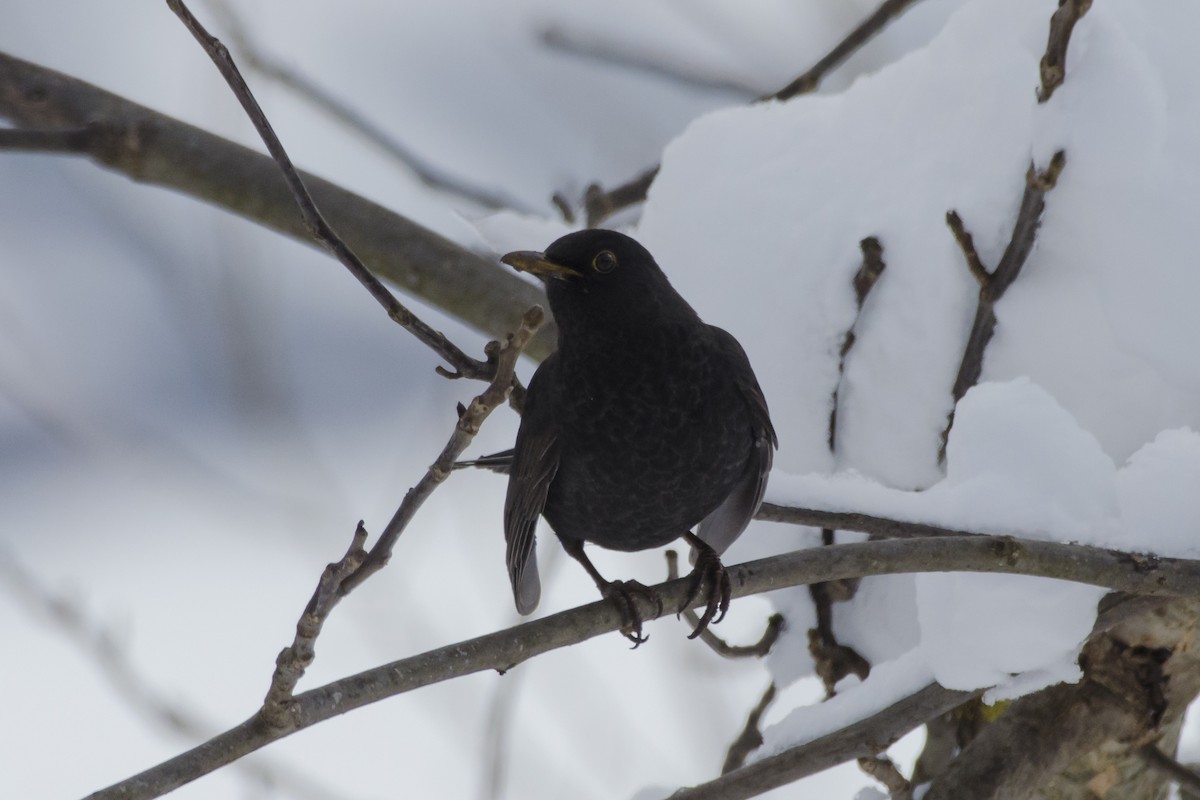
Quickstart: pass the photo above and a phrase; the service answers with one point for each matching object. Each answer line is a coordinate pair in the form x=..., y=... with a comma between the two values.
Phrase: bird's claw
x=710, y=572
x=622, y=593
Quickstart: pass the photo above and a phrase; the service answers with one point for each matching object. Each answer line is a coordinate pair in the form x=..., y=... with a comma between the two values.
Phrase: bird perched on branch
x=644, y=423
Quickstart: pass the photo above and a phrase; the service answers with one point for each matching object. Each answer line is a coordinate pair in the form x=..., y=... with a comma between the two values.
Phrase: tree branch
x=505, y=649
x=152, y=148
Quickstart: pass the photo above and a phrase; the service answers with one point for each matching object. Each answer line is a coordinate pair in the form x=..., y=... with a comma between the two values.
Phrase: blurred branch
x=503, y=650
x=600, y=204
x=328, y=103
x=617, y=52
x=152, y=148
x=102, y=646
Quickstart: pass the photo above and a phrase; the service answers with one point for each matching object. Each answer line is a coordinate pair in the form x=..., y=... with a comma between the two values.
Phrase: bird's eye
x=604, y=261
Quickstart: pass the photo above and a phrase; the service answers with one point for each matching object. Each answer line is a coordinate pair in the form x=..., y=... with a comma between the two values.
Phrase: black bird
x=644, y=423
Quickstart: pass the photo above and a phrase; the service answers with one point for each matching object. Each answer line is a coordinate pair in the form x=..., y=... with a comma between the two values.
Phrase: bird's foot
x=708, y=574
x=623, y=594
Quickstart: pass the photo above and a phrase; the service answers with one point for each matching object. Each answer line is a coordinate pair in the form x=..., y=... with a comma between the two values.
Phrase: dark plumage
x=644, y=423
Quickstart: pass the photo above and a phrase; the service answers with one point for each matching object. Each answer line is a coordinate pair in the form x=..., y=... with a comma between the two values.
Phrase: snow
x=192, y=430
x=1093, y=360
x=887, y=682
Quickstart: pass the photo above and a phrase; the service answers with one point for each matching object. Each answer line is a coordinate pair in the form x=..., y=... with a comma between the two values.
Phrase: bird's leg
x=708, y=570
x=619, y=592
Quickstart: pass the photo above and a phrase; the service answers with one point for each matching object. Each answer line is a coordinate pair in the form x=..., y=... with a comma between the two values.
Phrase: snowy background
x=194, y=412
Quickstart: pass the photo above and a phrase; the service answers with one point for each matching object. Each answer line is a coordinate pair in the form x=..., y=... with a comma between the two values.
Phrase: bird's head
x=598, y=278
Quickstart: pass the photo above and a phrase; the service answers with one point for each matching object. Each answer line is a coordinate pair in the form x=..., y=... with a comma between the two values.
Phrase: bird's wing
x=534, y=463
x=726, y=523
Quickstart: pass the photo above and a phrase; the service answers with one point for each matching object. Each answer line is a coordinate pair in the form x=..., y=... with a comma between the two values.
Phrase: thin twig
x=102, y=645
x=503, y=650
x=331, y=104
x=320, y=230
x=751, y=738
x=600, y=204
x=775, y=626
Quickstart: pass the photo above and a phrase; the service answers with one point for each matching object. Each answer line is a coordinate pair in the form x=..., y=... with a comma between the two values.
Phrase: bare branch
x=600, y=204
x=153, y=148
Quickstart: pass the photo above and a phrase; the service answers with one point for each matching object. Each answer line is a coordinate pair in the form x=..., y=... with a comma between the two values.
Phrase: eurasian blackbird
x=644, y=423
